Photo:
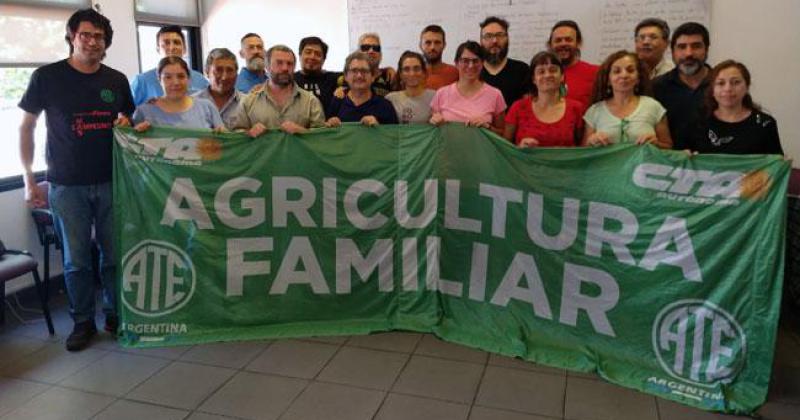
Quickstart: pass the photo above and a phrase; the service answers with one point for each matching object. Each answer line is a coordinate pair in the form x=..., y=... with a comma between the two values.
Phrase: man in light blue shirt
x=254, y=71
x=221, y=69
x=169, y=42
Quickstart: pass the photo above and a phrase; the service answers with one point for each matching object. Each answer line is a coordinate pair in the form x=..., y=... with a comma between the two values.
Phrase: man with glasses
x=170, y=42
x=311, y=76
x=83, y=99
x=511, y=76
x=254, y=71
x=370, y=44
x=221, y=69
x=652, y=37
x=281, y=104
x=565, y=41
x=432, y=44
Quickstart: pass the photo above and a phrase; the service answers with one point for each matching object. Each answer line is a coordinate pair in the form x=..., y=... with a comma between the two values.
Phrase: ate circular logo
x=698, y=342
x=107, y=95
x=158, y=278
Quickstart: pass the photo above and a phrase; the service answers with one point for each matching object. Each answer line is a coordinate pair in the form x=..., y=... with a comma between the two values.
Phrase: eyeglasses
x=359, y=71
x=98, y=37
x=466, y=62
x=409, y=69
x=494, y=35
x=645, y=37
x=367, y=47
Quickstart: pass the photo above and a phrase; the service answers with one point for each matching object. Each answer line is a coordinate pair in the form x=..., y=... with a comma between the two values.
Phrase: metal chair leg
x=43, y=300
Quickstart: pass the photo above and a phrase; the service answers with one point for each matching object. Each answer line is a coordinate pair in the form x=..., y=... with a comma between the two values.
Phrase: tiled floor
x=382, y=376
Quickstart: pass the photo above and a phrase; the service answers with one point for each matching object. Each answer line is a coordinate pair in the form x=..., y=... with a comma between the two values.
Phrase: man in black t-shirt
x=311, y=76
x=83, y=100
x=512, y=77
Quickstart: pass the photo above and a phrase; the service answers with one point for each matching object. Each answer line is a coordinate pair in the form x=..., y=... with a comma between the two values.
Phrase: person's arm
x=34, y=196
x=773, y=140
x=509, y=131
x=664, y=139
x=498, y=123
x=316, y=115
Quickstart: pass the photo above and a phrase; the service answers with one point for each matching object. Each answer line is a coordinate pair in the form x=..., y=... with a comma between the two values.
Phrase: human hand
x=369, y=121
x=437, y=119
x=256, y=130
x=528, y=142
x=599, y=138
x=333, y=122
x=142, y=126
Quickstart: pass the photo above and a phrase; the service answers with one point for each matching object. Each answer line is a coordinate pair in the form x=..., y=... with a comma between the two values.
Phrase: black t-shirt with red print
x=80, y=110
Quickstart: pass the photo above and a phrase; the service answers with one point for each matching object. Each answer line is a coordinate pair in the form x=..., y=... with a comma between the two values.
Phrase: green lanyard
x=623, y=136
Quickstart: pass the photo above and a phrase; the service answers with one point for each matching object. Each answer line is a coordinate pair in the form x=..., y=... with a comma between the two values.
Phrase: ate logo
x=158, y=278
x=698, y=342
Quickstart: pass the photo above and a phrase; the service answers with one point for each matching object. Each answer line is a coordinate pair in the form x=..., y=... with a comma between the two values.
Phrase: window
x=31, y=35
x=151, y=15
x=148, y=55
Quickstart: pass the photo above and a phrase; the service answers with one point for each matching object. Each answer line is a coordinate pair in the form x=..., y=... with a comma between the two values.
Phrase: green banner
x=659, y=271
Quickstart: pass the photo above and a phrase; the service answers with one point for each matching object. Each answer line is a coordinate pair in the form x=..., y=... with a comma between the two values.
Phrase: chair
x=14, y=264
x=43, y=218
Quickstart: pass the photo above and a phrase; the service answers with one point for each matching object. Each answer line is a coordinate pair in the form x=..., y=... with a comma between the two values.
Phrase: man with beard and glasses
x=511, y=77
x=311, y=76
x=565, y=41
x=170, y=42
x=281, y=104
x=432, y=43
x=681, y=90
x=253, y=73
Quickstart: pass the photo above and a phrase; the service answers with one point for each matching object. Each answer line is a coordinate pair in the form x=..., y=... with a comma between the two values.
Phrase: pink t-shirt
x=454, y=107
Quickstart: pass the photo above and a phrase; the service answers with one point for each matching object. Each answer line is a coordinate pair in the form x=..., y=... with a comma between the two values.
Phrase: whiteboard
x=606, y=25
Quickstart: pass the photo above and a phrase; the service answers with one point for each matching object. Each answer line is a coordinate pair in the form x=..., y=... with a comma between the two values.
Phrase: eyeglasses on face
x=367, y=47
x=494, y=35
x=464, y=61
x=98, y=37
x=359, y=71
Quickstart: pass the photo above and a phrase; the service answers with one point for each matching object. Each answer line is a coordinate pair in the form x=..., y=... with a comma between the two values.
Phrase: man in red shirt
x=432, y=44
x=565, y=41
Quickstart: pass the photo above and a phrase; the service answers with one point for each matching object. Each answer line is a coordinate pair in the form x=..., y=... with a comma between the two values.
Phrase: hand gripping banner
x=659, y=271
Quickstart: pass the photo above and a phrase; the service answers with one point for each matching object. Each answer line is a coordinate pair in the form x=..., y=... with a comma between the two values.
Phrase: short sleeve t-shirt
x=561, y=133
x=202, y=114
x=80, y=111
x=377, y=106
x=440, y=76
x=412, y=109
x=579, y=79
x=641, y=121
x=484, y=104
x=756, y=134
x=514, y=80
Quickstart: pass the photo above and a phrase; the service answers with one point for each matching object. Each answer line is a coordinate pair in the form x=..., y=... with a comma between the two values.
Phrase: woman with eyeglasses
x=360, y=103
x=734, y=123
x=621, y=113
x=176, y=108
x=469, y=100
x=413, y=103
x=545, y=118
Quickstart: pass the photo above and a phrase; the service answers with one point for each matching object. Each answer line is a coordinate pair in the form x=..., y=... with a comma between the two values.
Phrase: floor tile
x=131, y=410
x=785, y=386
x=15, y=347
x=519, y=364
x=52, y=363
x=62, y=323
x=205, y=416
x=234, y=355
x=670, y=410
x=402, y=407
x=334, y=402
x=486, y=413
x=328, y=339
x=778, y=411
x=599, y=400
x=364, y=368
x=403, y=342
x=115, y=374
x=435, y=347
x=169, y=353
x=61, y=404
x=525, y=391
x=441, y=379
x=16, y=392
x=181, y=385
x=254, y=396
x=300, y=359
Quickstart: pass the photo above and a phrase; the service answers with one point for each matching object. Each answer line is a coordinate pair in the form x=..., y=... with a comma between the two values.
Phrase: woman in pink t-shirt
x=545, y=118
x=469, y=100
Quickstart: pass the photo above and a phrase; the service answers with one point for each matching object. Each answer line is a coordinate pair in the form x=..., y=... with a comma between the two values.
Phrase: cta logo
x=699, y=343
x=175, y=151
x=158, y=278
x=701, y=186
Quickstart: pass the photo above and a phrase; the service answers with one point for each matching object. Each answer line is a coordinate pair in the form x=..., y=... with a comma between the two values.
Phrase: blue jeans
x=76, y=208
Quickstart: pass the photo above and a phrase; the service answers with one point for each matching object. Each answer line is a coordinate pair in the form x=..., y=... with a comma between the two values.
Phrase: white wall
x=765, y=37
x=278, y=22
